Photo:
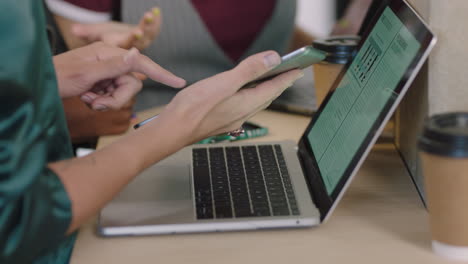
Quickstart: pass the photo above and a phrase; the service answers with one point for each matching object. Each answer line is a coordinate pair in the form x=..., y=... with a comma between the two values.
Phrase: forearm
x=86, y=125
x=93, y=180
x=77, y=114
x=65, y=26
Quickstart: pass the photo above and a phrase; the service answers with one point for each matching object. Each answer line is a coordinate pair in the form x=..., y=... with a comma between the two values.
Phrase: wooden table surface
x=380, y=220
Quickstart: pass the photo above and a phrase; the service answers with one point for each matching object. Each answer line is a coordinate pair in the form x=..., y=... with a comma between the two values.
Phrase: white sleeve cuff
x=76, y=13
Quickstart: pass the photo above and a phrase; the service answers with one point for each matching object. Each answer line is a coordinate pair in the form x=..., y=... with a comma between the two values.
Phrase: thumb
x=226, y=84
x=254, y=67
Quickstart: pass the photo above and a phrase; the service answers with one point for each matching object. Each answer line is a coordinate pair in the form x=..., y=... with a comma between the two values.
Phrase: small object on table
x=251, y=130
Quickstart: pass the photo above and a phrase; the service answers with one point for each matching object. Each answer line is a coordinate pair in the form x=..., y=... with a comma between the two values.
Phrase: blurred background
x=317, y=16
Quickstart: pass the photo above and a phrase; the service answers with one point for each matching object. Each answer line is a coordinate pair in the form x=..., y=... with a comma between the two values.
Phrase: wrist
x=157, y=140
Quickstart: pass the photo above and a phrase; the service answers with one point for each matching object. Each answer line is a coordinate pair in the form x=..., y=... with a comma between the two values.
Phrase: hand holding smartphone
x=298, y=59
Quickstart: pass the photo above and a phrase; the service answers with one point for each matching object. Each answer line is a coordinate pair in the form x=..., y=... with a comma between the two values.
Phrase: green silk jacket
x=35, y=210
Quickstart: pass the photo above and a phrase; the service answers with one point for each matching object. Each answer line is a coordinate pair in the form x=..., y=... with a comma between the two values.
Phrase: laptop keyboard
x=246, y=181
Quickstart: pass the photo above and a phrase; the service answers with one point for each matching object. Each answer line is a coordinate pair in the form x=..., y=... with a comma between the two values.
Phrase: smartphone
x=298, y=59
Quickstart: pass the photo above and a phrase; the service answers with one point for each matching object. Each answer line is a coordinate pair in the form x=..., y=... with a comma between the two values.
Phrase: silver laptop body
x=165, y=198
x=161, y=201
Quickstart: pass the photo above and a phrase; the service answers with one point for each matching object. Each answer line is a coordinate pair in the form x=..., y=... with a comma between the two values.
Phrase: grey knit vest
x=186, y=47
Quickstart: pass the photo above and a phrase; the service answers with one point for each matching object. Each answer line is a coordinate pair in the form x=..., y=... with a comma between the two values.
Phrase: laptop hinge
x=314, y=181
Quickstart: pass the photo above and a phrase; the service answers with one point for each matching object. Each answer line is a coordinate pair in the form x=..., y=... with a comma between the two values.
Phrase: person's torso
x=188, y=48
x=35, y=110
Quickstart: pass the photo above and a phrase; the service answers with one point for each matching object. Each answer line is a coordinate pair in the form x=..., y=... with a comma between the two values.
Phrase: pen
x=144, y=122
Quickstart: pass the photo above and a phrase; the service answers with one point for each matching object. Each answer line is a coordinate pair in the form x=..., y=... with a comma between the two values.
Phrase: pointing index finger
x=142, y=64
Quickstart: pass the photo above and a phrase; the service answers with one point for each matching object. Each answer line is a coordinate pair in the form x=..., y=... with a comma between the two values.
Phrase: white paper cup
x=450, y=251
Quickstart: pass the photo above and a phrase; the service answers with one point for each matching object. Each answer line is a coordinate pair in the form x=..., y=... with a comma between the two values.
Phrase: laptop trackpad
x=161, y=194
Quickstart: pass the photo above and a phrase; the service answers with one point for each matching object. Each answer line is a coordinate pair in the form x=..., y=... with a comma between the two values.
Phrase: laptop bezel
x=326, y=203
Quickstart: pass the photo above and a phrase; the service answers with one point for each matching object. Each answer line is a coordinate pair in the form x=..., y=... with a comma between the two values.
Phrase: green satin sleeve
x=35, y=210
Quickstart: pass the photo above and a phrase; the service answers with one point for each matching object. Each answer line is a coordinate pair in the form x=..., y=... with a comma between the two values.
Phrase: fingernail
x=149, y=19
x=100, y=108
x=343, y=23
x=272, y=59
x=87, y=99
x=156, y=11
x=138, y=35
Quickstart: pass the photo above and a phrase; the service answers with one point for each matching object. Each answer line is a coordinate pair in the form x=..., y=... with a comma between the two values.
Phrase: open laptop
x=301, y=98
x=280, y=184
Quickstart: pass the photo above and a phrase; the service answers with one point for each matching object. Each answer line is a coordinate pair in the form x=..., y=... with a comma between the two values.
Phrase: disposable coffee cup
x=340, y=50
x=444, y=152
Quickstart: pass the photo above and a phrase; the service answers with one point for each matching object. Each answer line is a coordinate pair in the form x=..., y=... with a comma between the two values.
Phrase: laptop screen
x=364, y=96
x=361, y=96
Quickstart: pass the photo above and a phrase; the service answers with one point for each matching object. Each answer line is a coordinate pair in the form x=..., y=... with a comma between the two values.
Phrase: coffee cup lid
x=339, y=48
x=446, y=134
